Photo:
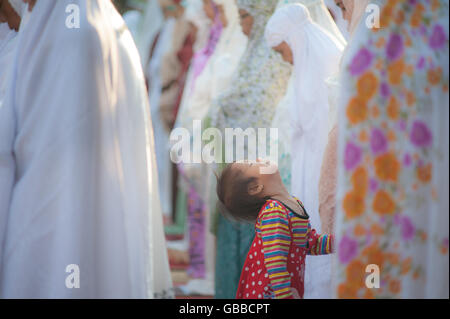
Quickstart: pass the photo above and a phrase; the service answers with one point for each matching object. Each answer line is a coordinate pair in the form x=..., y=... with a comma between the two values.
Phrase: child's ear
x=255, y=188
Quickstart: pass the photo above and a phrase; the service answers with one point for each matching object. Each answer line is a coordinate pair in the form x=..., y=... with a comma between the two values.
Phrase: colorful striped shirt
x=283, y=238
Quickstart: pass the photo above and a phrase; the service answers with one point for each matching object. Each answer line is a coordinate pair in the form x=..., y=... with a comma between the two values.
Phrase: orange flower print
x=346, y=291
x=409, y=70
x=383, y=204
x=375, y=111
x=363, y=136
x=359, y=230
x=416, y=17
x=357, y=110
x=387, y=167
x=368, y=294
x=367, y=86
x=424, y=173
x=405, y=266
x=434, y=76
x=380, y=44
x=360, y=181
x=354, y=205
x=374, y=255
x=377, y=230
x=435, y=5
x=393, y=108
x=395, y=286
x=410, y=98
x=356, y=273
x=395, y=72
x=393, y=258
x=400, y=17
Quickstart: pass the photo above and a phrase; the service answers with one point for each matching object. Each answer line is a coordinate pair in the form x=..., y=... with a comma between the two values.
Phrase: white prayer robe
x=85, y=189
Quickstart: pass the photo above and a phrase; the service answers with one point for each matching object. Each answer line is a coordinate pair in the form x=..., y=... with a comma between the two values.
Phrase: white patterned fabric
x=260, y=81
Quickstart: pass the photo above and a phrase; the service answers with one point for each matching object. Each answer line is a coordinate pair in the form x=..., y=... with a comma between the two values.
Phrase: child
x=275, y=264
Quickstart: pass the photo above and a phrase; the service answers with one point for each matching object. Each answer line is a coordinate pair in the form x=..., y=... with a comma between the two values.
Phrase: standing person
x=258, y=85
x=84, y=209
x=308, y=112
x=10, y=18
x=352, y=12
x=275, y=264
x=393, y=155
x=315, y=55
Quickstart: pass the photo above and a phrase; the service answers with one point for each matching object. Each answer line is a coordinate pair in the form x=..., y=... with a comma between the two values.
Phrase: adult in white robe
x=8, y=44
x=85, y=199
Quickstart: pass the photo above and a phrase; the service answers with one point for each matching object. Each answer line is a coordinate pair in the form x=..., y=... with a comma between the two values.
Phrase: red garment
x=276, y=260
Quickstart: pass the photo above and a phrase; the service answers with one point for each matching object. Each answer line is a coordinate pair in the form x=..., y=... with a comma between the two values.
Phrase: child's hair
x=232, y=191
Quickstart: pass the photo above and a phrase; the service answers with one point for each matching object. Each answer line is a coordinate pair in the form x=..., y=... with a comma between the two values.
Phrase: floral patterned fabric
x=392, y=195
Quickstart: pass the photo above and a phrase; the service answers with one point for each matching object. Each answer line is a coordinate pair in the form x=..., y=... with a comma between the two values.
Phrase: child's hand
x=295, y=293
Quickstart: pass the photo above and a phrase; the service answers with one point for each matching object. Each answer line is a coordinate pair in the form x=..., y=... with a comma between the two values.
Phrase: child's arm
x=276, y=242
x=320, y=244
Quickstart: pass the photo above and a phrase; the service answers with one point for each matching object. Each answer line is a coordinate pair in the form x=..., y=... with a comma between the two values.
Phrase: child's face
x=265, y=171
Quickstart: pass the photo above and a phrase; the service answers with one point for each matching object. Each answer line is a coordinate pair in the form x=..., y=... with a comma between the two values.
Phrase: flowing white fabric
x=316, y=56
x=85, y=189
x=8, y=43
x=163, y=46
x=319, y=14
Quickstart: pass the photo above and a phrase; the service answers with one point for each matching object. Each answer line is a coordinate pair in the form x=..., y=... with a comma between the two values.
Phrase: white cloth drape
x=85, y=189
x=316, y=57
x=162, y=47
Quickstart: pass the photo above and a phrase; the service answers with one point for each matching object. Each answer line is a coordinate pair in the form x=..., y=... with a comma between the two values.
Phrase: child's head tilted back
x=243, y=188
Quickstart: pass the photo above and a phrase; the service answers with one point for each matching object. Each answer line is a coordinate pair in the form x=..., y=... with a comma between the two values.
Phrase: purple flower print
x=373, y=185
x=407, y=228
x=394, y=48
x=407, y=160
x=378, y=142
x=385, y=90
x=438, y=37
x=420, y=134
x=361, y=61
x=348, y=249
x=353, y=156
x=421, y=63
x=401, y=125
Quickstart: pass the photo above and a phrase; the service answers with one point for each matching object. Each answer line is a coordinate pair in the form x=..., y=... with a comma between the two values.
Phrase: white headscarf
x=310, y=44
x=320, y=15
x=85, y=189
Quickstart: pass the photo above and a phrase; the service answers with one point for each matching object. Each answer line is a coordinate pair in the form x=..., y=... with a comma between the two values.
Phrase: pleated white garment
x=85, y=189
